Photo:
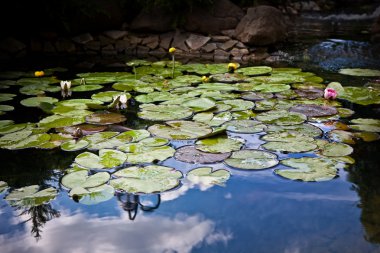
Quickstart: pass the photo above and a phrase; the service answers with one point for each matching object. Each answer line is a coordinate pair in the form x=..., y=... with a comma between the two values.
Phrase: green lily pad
x=5, y=122
x=87, y=87
x=31, y=141
x=337, y=149
x=360, y=72
x=227, y=78
x=255, y=71
x=252, y=159
x=190, y=154
x=164, y=112
x=36, y=101
x=239, y=104
x=74, y=145
x=256, y=96
x=289, y=142
x=308, y=169
x=345, y=112
x=149, y=179
x=3, y=186
x=219, y=144
x=266, y=105
x=107, y=159
x=30, y=196
x=341, y=136
x=365, y=124
x=105, y=118
x=314, y=110
x=108, y=96
x=245, y=126
x=367, y=136
x=99, y=137
x=217, y=87
x=56, y=121
x=139, y=153
x=14, y=137
x=180, y=130
x=271, y=88
x=281, y=117
x=94, y=195
x=213, y=119
x=82, y=179
x=206, y=176
x=6, y=108
x=6, y=97
x=199, y=104
x=11, y=128
x=154, y=142
x=361, y=95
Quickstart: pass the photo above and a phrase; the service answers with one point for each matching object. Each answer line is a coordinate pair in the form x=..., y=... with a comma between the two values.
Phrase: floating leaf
x=361, y=95
x=365, y=124
x=190, y=154
x=206, y=176
x=314, y=110
x=213, y=119
x=82, y=179
x=180, y=130
x=239, y=104
x=308, y=169
x=341, y=136
x=281, y=117
x=149, y=179
x=74, y=145
x=94, y=195
x=105, y=118
x=255, y=71
x=219, y=144
x=289, y=142
x=29, y=142
x=139, y=153
x=87, y=87
x=36, y=101
x=252, y=159
x=164, y=112
x=108, y=96
x=245, y=126
x=199, y=104
x=359, y=72
x=3, y=186
x=336, y=149
x=56, y=121
x=107, y=159
x=30, y=196
x=367, y=136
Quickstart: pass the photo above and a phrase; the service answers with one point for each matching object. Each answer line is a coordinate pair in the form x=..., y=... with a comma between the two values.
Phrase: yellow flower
x=39, y=73
x=172, y=50
x=232, y=66
x=205, y=79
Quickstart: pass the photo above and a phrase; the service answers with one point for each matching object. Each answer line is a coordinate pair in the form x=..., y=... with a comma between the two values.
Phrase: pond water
x=252, y=209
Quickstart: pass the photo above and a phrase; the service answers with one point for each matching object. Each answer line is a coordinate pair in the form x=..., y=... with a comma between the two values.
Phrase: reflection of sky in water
x=256, y=212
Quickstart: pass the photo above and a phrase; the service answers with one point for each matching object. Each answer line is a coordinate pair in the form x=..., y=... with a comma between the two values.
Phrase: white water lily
x=65, y=85
x=121, y=101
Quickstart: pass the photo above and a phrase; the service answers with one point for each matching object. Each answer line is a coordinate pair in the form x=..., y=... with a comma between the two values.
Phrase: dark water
x=255, y=211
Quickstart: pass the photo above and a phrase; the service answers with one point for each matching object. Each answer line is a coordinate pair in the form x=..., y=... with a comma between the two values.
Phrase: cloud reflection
x=81, y=234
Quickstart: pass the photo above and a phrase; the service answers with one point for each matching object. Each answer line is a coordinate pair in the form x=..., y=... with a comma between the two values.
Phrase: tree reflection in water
x=365, y=174
x=38, y=216
x=131, y=203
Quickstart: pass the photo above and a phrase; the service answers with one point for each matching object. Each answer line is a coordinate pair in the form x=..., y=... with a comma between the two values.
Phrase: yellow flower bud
x=172, y=50
x=39, y=73
x=205, y=79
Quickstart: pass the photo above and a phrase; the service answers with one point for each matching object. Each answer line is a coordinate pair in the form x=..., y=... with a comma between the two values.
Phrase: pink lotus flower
x=330, y=93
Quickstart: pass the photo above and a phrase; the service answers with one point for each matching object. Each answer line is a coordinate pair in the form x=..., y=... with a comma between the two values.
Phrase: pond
x=198, y=157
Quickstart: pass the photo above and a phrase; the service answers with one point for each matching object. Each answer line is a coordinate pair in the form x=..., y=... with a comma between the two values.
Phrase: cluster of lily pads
x=209, y=112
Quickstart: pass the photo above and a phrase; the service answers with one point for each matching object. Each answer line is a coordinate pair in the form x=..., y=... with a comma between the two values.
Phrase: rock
x=65, y=46
x=262, y=25
x=109, y=50
x=209, y=47
x=166, y=40
x=142, y=51
x=179, y=41
x=222, y=15
x=151, y=41
x=11, y=45
x=115, y=35
x=154, y=20
x=208, y=57
x=36, y=45
x=83, y=38
x=220, y=38
x=228, y=45
x=93, y=45
x=134, y=39
x=375, y=30
x=121, y=45
x=221, y=55
x=230, y=32
x=159, y=53
x=195, y=42
x=236, y=52
x=48, y=47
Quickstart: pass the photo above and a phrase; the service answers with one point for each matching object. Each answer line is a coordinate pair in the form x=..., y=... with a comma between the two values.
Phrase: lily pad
x=314, y=110
x=308, y=169
x=199, y=104
x=87, y=87
x=105, y=118
x=206, y=176
x=139, y=153
x=74, y=145
x=3, y=186
x=341, y=136
x=245, y=126
x=252, y=159
x=108, y=96
x=281, y=117
x=29, y=142
x=336, y=149
x=149, y=179
x=255, y=71
x=359, y=72
x=213, y=119
x=219, y=144
x=256, y=96
x=82, y=179
x=289, y=142
x=164, y=112
x=94, y=195
x=30, y=196
x=361, y=95
x=36, y=101
x=107, y=159
x=365, y=124
x=56, y=121
x=180, y=130
x=239, y=104
x=190, y=154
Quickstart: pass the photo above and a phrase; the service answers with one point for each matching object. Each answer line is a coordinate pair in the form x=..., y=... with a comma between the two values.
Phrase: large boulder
x=262, y=26
x=153, y=20
x=222, y=15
